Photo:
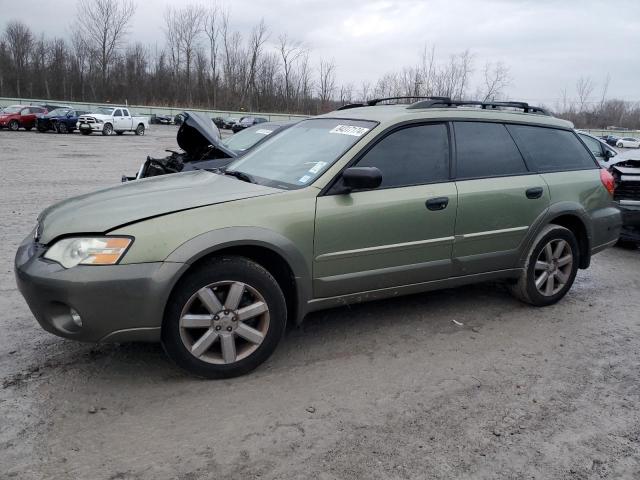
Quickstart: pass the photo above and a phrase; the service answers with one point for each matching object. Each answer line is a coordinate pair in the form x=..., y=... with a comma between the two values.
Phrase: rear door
x=398, y=234
x=127, y=121
x=499, y=198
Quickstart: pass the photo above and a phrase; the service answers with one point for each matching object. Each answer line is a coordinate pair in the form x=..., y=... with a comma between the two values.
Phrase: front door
x=498, y=198
x=398, y=234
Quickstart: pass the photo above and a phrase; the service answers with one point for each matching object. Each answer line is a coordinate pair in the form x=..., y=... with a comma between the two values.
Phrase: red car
x=20, y=116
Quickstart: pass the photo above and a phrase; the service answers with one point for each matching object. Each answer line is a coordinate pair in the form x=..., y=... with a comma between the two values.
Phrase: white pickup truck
x=108, y=120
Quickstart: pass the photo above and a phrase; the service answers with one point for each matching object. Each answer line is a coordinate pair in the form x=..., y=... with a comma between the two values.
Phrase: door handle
x=438, y=203
x=535, y=192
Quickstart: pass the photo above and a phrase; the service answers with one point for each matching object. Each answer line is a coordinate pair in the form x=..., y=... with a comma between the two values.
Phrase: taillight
x=607, y=180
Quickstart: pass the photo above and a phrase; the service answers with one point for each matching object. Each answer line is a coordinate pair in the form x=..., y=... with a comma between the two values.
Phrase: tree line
x=202, y=61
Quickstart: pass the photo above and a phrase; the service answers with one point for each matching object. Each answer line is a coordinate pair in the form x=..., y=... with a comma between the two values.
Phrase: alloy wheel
x=553, y=267
x=224, y=322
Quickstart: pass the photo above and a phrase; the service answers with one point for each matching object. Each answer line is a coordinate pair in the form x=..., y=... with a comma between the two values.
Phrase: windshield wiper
x=245, y=177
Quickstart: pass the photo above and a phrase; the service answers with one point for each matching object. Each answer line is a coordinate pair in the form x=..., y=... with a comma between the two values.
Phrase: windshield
x=58, y=112
x=245, y=139
x=103, y=111
x=12, y=109
x=296, y=157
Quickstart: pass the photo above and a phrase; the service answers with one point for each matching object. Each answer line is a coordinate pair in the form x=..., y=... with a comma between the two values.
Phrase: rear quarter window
x=486, y=150
x=551, y=149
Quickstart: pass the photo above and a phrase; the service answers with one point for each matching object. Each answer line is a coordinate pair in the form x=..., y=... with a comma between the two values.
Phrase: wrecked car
x=202, y=148
x=627, y=194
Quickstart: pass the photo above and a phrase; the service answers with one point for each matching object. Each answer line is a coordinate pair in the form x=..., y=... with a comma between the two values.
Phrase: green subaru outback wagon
x=367, y=202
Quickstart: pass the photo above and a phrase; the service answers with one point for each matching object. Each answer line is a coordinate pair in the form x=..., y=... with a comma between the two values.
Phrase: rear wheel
x=140, y=130
x=14, y=125
x=224, y=319
x=550, y=268
x=107, y=129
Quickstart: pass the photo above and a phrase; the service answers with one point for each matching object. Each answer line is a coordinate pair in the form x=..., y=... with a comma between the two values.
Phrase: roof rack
x=375, y=101
x=444, y=103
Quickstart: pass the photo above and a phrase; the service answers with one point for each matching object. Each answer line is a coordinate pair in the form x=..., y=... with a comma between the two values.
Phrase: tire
x=107, y=129
x=265, y=329
x=62, y=128
x=14, y=125
x=559, y=277
x=619, y=145
x=140, y=130
x=85, y=132
x=119, y=132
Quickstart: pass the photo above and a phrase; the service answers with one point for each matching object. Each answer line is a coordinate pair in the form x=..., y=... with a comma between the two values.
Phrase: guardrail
x=148, y=109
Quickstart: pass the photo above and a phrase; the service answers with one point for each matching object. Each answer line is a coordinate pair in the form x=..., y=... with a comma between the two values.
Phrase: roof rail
x=375, y=101
x=438, y=103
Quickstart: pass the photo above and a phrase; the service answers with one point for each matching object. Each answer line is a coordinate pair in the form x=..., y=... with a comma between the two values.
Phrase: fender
x=215, y=240
x=554, y=211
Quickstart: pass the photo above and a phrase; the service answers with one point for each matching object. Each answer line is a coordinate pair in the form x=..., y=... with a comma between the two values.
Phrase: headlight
x=99, y=121
x=70, y=252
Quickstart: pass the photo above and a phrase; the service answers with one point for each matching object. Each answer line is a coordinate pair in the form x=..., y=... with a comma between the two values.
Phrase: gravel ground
x=387, y=390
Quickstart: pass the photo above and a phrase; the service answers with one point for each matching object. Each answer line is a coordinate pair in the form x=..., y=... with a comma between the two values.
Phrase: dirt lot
x=388, y=390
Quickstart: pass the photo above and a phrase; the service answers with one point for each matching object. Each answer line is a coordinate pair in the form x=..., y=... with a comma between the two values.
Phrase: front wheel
x=550, y=268
x=14, y=125
x=140, y=130
x=224, y=319
x=107, y=129
x=62, y=128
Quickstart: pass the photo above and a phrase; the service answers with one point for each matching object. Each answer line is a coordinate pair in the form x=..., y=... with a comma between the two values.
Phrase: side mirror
x=609, y=154
x=356, y=178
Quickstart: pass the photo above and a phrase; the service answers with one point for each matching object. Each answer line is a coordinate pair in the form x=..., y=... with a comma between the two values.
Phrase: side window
x=593, y=144
x=25, y=111
x=411, y=156
x=486, y=150
x=117, y=113
x=35, y=110
x=125, y=112
x=552, y=149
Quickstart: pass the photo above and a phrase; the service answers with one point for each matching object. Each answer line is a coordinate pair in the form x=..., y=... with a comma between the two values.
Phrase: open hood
x=198, y=135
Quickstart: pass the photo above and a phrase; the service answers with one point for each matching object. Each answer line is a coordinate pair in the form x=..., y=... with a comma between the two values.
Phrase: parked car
x=600, y=149
x=354, y=205
x=109, y=120
x=218, y=121
x=246, y=122
x=161, y=119
x=628, y=142
x=55, y=118
x=202, y=148
x=611, y=140
x=229, y=122
x=626, y=174
x=20, y=116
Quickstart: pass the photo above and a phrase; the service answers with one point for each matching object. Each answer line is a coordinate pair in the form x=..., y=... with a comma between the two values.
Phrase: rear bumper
x=115, y=303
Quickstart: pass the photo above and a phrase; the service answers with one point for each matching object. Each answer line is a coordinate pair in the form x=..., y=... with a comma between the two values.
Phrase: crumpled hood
x=130, y=202
x=198, y=135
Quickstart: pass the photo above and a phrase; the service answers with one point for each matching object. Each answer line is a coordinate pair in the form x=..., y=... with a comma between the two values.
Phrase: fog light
x=75, y=316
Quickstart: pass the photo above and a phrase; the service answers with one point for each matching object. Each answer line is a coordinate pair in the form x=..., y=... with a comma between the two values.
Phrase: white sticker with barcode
x=305, y=179
x=264, y=132
x=349, y=130
x=317, y=167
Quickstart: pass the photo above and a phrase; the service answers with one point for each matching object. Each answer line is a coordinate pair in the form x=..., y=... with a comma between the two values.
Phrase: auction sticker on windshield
x=264, y=132
x=349, y=130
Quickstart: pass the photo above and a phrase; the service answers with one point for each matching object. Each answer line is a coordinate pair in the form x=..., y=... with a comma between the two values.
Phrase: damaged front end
x=199, y=139
x=627, y=195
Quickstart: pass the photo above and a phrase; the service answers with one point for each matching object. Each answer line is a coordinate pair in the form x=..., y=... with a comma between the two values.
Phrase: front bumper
x=630, y=222
x=94, y=127
x=116, y=303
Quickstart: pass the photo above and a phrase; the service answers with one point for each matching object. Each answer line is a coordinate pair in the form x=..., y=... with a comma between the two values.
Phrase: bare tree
x=20, y=44
x=584, y=89
x=189, y=22
x=496, y=79
x=102, y=25
x=290, y=51
x=326, y=82
x=256, y=42
x=212, y=31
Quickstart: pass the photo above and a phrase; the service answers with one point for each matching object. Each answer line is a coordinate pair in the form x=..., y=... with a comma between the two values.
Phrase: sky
x=546, y=44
